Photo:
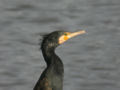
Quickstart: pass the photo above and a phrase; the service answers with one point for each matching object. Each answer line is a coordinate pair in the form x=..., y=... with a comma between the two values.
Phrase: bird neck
x=48, y=53
x=52, y=59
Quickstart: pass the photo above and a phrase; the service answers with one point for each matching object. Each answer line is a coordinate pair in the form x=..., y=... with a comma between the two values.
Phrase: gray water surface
x=91, y=61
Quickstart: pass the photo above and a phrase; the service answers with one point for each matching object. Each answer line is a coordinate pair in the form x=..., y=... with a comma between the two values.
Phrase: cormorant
x=52, y=76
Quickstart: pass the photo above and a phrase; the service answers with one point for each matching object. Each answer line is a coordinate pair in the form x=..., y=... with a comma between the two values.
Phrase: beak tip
x=82, y=31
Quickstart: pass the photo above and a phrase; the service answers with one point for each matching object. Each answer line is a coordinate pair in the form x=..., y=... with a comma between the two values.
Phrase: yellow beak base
x=64, y=38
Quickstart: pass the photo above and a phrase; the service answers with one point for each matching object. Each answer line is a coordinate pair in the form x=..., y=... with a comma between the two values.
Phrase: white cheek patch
x=61, y=40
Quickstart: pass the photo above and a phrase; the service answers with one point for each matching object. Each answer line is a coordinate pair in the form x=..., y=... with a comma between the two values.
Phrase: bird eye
x=65, y=34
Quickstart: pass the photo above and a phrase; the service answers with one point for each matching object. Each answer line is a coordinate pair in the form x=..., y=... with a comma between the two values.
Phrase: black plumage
x=52, y=76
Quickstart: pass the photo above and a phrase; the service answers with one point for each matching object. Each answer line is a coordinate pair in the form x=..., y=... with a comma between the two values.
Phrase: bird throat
x=52, y=60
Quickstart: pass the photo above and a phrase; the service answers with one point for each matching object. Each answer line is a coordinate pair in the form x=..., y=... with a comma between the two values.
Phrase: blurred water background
x=91, y=61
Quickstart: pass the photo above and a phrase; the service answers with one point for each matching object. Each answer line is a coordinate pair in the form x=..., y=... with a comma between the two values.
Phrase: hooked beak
x=69, y=35
x=75, y=34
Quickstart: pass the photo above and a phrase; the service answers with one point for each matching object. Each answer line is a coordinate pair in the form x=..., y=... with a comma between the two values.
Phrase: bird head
x=56, y=38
